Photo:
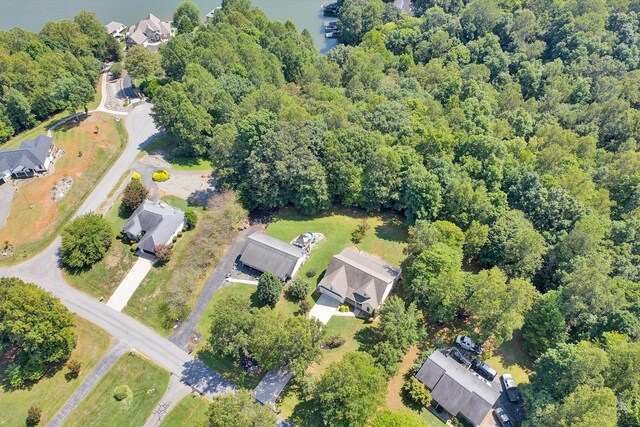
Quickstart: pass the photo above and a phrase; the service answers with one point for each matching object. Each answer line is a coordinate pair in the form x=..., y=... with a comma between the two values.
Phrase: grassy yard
x=511, y=357
x=386, y=238
x=51, y=392
x=147, y=382
x=226, y=366
x=190, y=411
x=164, y=145
x=102, y=279
x=34, y=219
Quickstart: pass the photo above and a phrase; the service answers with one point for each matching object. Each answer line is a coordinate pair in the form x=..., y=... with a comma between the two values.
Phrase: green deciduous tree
x=186, y=17
x=544, y=325
x=140, y=62
x=239, y=410
x=85, y=241
x=134, y=195
x=269, y=288
x=231, y=325
x=388, y=418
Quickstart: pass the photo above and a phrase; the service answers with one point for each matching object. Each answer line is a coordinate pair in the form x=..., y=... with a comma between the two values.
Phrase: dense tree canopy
x=239, y=410
x=85, y=241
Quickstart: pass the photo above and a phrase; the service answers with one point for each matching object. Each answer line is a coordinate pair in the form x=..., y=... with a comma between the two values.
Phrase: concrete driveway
x=324, y=309
x=7, y=191
x=130, y=283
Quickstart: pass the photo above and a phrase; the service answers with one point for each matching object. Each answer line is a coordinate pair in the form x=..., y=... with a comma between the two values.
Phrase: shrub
x=34, y=415
x=74, y=368
x=360, y=232
x=269, y=289
x=311, y=272
x=191, y=218
x=163, y=253
x=308, y=385
x=122, y=392
x=116, y=70
x=33, y=370
x=160, y=176
x=174, y=239
x=136, y=176
x=298, y=289
x=134, y=247
x=85, y=240
x=14, y=375
x=343, y=309
x=416, y=391
x=305, y=306
x=134, y=195
x=179, y=233
x=334, y=341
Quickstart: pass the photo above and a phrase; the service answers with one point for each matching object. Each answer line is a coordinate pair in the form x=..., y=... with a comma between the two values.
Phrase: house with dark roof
x=459, y=391
x=152, y=224
x=266, y=253
x=358, y=279
x=33, y=156
x=149, y=31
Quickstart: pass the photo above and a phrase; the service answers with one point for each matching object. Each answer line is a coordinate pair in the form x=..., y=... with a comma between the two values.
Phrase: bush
x=334, y=341
x=116, y=70
x=136, y=176
x=34, y=415
x=417, y=392
x=179, y=233
x=311, y=272
x=269, y=289
x=134, y=195
x=360, y=232
x=160, y=176
x=33, y=370
x=308, y=386
x=14, y=376
x=122, y=392
x=134, y=247
x=85, y=240
x=343, y=309
x=163, y=253
x=298, y=289
x=305, y=306
x=74, y=368
x=191, y=218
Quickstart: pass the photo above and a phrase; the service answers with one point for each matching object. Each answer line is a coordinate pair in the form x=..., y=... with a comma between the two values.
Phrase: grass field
x=386, y=238
x=164, y=145
x=226, y=366
x=511, y=357
x=52, y=391
x=34, y=219
x=102, y=279
x=190, y=411
x=147, y=382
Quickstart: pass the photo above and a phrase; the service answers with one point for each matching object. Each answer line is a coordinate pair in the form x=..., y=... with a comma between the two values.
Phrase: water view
x=33, y=14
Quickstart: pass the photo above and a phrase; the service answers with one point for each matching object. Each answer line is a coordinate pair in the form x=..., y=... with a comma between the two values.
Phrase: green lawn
x=147, y=382
x=42, y=128
x=190, y=411
x=226, y=366
x=165, y=146
x=386, y=238
x=102, y=279
x=511, y=357
x=52, y=391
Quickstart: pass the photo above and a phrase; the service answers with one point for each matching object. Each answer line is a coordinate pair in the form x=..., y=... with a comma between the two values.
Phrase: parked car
x=468, y=344
x=483, y=369
x=510, y=387
x=502, y=417
x=249, y=364
x=458, y=356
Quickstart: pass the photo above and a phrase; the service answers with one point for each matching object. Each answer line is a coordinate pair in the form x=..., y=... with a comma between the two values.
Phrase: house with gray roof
x=33, y=156
x=456, y=389
x=358, y=279
x=152, y=224
x=266, y=253
x=114, y=29
x=149, y=31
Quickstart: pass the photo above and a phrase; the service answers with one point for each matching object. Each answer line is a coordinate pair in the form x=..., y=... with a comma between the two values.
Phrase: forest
x=506, y=132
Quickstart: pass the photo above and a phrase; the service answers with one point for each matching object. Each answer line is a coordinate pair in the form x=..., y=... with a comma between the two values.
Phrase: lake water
x=33, y=14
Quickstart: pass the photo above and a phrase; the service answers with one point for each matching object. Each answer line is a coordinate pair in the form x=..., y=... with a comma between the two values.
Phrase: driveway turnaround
x=324, y=309
x=130, y=283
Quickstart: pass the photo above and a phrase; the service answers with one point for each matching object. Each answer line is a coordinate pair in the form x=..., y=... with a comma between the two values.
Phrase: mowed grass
x=165, y=146
x=226, y=366
x=511, y=357
x=190, y=411
x=102, y=279
x=148, y=301
x=52, y=391
x=34, y=219
x=385, y=239
x=147, y=382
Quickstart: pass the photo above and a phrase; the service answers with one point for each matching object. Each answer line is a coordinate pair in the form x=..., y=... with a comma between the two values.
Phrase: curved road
x=45, y=271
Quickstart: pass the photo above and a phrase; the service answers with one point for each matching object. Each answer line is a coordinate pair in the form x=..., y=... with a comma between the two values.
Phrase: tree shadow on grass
x=392, y=229
x=366, y=337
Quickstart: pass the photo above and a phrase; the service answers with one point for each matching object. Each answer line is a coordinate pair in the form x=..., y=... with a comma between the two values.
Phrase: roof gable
x=266, y=253
x=159, y=222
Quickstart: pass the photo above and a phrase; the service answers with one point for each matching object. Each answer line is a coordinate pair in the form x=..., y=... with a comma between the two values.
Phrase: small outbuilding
x=358, y=279
x=456, y=389
x=266, y=253
x=152, y=224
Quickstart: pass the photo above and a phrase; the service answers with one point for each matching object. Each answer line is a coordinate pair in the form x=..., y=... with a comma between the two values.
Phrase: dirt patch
x=61, y=189
x=394, y=388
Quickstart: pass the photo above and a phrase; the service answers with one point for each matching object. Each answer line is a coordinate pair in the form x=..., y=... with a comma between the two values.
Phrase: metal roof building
x=265, y=253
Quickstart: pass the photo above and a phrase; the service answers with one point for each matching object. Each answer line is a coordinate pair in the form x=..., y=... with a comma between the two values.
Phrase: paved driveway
x=130, y=283
x=7, y=191
x=324, y=309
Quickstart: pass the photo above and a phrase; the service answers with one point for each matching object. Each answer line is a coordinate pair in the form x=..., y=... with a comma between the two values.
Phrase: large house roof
x=146, y=28
x=30, y=155
x=359, y=276
x=265, y=253
x=114, y=27
x=457, y=389
x=159, y=222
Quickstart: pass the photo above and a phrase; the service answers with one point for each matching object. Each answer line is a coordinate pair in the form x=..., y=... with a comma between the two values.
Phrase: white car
x=510, y=387
x=468, y=344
